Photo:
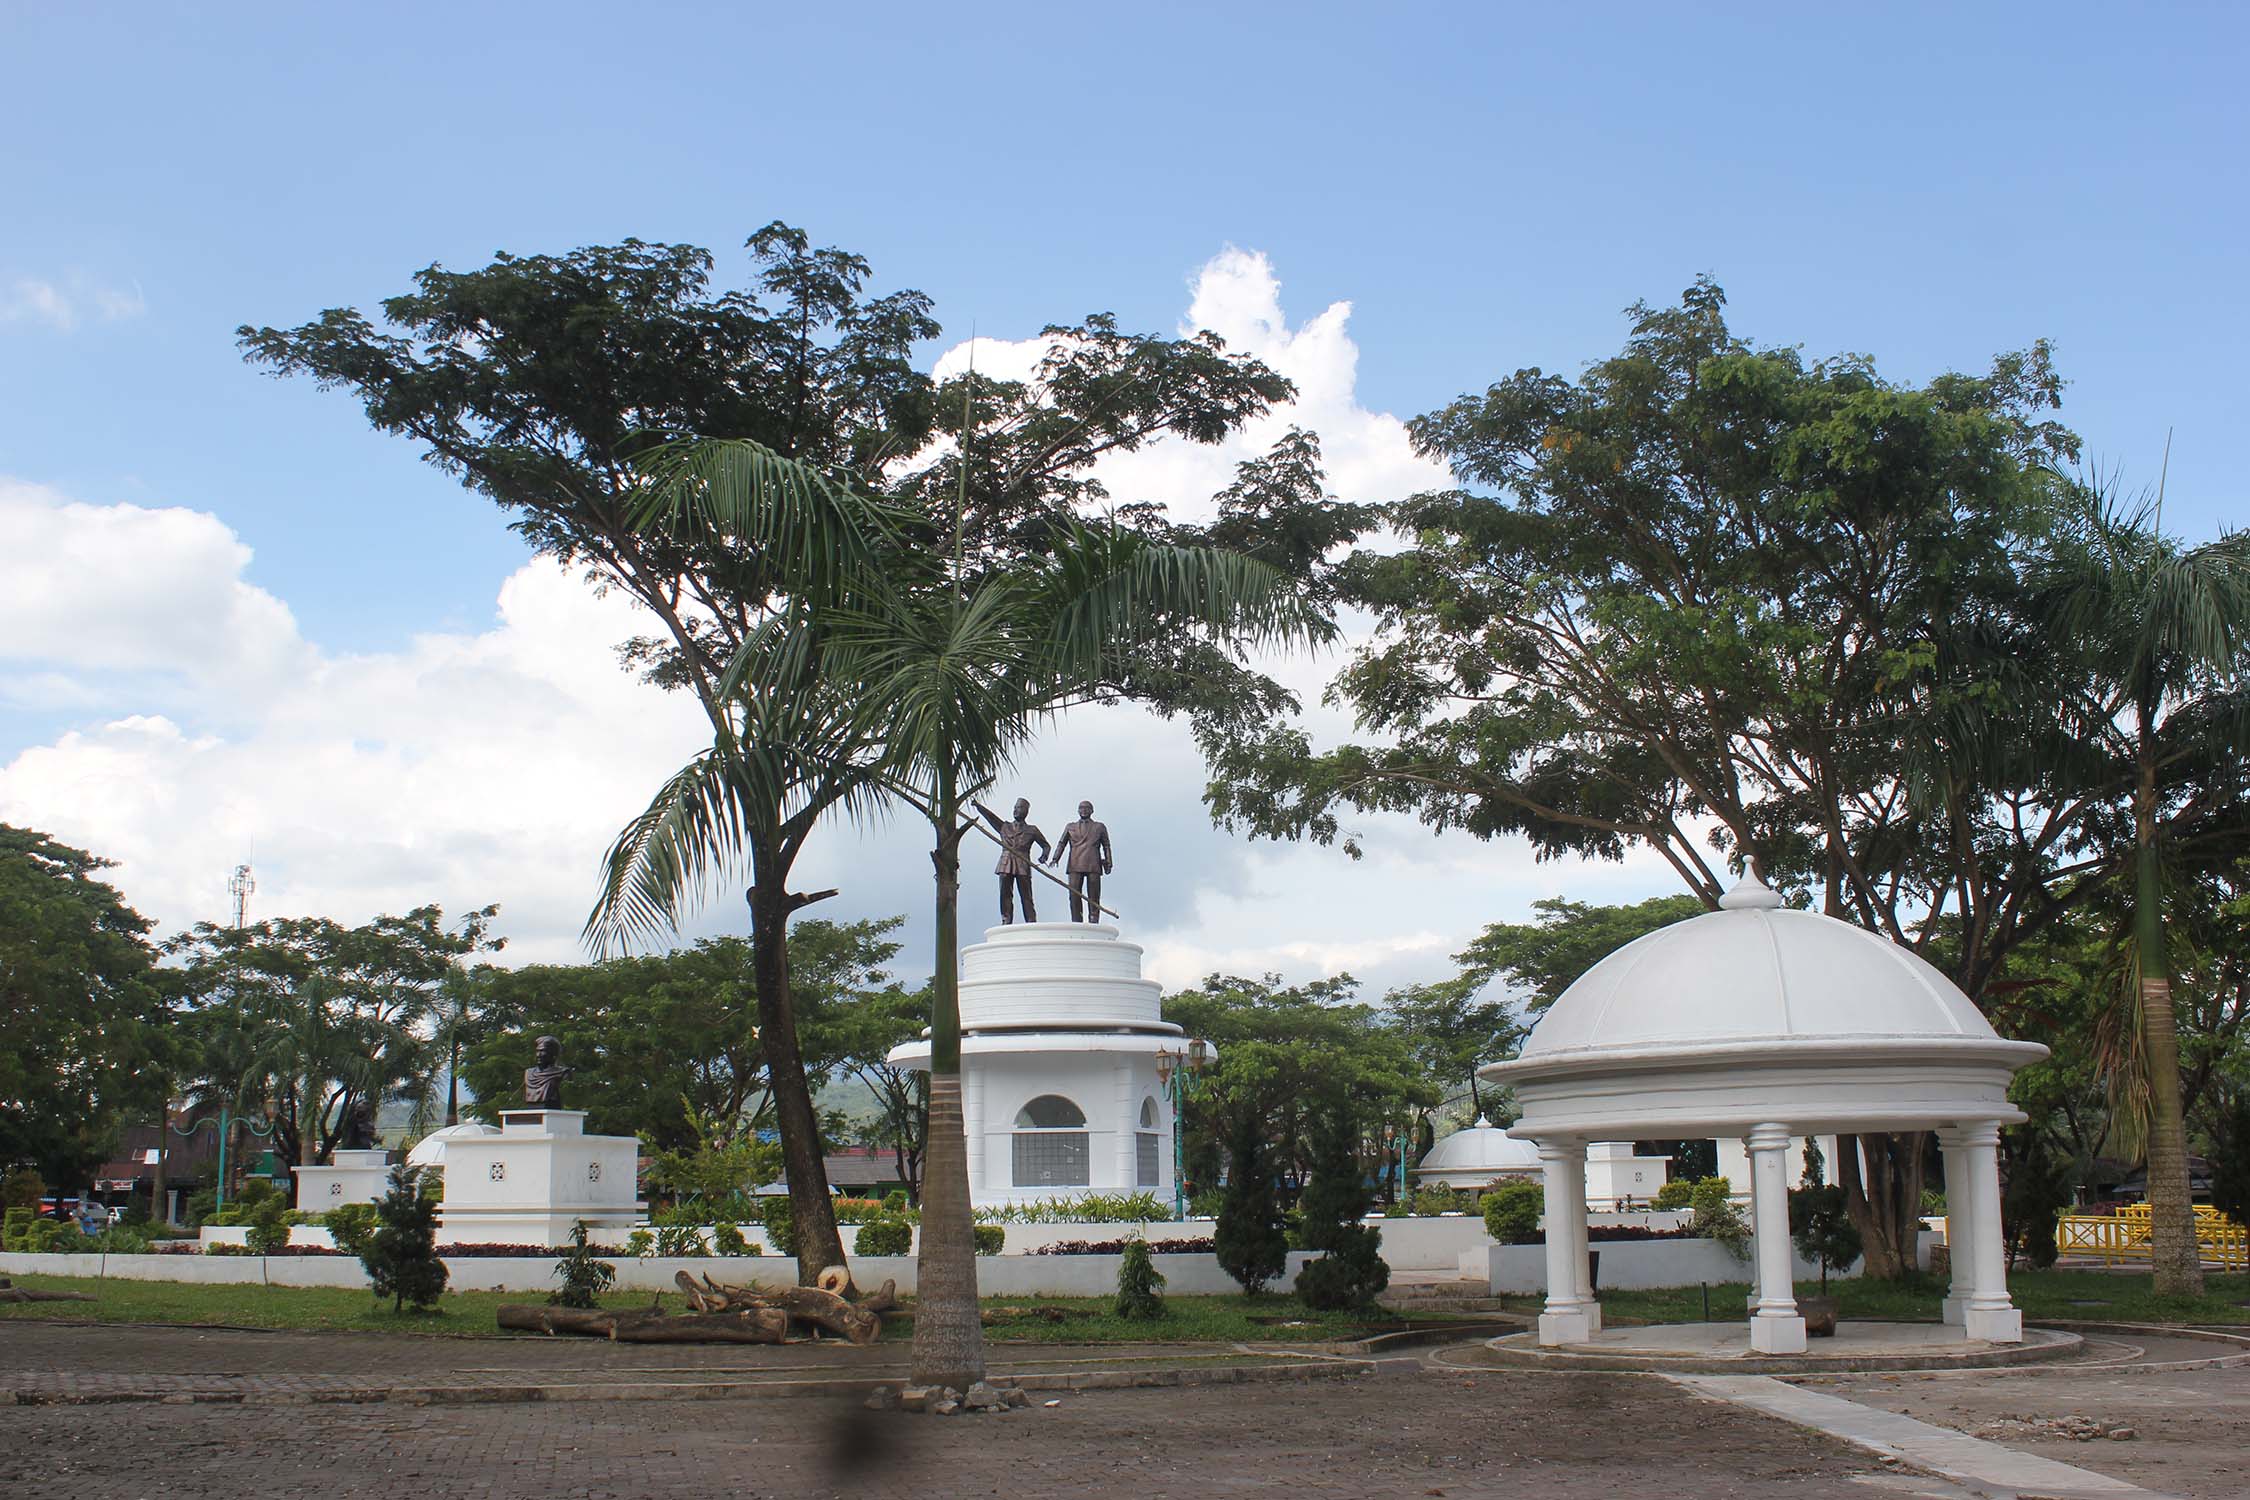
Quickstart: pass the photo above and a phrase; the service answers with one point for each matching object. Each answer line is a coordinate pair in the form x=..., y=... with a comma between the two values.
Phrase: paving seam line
x=1987, y=1467
x=637, y=1390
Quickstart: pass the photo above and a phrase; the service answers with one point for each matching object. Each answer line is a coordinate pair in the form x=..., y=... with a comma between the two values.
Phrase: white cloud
x=496, y=764
x=61, y=306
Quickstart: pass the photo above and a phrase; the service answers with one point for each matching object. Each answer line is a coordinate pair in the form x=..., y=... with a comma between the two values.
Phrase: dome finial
x=1749, y=894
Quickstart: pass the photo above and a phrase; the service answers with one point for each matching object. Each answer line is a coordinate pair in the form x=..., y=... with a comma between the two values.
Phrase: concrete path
x=1987, y=1468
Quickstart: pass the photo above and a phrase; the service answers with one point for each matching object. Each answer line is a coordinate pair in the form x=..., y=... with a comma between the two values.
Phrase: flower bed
x=1117, y=1247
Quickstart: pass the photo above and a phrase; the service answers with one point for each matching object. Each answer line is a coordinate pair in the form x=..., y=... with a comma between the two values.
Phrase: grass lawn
x=2087, y=1296
x=1051, y=1320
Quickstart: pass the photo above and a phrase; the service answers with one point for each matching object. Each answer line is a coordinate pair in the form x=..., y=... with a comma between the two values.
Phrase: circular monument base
x=1724, y=1349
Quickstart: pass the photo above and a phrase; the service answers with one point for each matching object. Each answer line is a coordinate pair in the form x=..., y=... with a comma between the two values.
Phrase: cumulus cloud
x=496, y=764
x=62, y=306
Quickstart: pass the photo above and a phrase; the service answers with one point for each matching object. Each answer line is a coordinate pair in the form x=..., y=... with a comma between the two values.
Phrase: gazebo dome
x=1728, y=1018
x=429, y=1151
x=1476, y=1156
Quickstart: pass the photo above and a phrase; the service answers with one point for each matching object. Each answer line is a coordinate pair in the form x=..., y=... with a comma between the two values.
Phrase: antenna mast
x=240, y=885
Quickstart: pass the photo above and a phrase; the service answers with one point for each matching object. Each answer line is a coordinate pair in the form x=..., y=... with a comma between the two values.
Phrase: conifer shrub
x=1350, y=1271
x=1139, y=1283
x=269, y=1226
x=1249, y=1240
x=401, y=1256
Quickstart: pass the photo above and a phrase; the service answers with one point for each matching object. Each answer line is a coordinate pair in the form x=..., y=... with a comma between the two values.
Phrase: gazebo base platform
x=1724, y=1349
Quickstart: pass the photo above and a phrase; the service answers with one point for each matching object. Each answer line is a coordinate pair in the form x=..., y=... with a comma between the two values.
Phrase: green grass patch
x=1056, y=1320
x=2085, y=1296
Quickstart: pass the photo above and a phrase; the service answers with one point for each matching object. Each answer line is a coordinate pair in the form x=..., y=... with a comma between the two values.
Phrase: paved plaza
x=110, y=1413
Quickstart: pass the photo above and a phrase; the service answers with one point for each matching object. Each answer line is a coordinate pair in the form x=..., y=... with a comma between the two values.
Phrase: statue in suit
x=1087, y=844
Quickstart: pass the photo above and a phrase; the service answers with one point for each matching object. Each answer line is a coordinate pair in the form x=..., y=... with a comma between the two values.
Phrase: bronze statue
x=1016, y=838
x=359, y=1128
x=1087, y=843
x=542, y=1081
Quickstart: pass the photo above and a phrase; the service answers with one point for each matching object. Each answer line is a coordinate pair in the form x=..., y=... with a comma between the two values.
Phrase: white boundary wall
x=997, y=1275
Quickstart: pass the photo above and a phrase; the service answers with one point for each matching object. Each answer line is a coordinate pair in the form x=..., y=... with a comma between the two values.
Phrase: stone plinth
x=539, y=1176
x=353, y=1177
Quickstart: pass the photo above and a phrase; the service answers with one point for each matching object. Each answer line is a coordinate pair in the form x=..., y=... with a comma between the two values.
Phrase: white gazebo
x=1478, y=1157
x=1764, y=1024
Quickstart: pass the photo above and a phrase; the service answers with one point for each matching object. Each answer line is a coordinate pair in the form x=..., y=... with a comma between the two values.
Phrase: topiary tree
x=1512, y=1210
x=1350, y=1271
x=883, y=1236
x=1248, y=1239
x=1139, y=1283
x=583, y=1276
x=1820, y=1222
x=401, y=1257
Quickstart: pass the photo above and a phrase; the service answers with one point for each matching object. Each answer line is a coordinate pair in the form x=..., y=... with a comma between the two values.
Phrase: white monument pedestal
x=539, y=1176
x=354, y=1177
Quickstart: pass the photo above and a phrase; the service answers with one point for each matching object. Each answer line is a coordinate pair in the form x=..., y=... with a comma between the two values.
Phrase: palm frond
x=659, y=864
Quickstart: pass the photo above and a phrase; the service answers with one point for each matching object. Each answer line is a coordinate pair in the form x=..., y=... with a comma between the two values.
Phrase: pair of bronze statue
x=1085, y=843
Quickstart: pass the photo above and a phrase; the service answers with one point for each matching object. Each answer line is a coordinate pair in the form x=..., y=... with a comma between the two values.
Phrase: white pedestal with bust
x=541, y=1174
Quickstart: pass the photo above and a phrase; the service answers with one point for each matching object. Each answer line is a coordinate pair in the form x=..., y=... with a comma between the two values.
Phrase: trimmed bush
x=884, y=1236
x=1139, y=1283
x=991, y=1239
x=780, y=1219
x=269, y=1226
x=1511, y=1212
x=1436, y=1199
x=14, y=1225
x=895, y=1201
x=1250, y=1243
x=1677, y=1193
x=351, y=1226
x=728, y=1239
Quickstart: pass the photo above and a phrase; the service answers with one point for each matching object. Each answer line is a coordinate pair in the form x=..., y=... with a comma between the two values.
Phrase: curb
x=1270, y=1372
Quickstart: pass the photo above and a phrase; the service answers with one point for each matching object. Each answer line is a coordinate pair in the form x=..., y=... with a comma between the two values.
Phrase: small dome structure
x=1766, y=1024
x=1478, y=1156
x=429, y=1151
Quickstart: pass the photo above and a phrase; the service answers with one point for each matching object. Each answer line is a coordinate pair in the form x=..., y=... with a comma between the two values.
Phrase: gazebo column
x=1562, y=1170
x=1776, y=1327
x=1960, y=1239
x=1987, y=1313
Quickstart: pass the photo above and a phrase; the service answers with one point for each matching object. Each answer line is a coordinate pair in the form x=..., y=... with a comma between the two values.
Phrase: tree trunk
x=2176, y=1258
x=453, y=1074
x=157, y=1184
x=1884, y=1200
x=819, y=1245
x=948, y=1330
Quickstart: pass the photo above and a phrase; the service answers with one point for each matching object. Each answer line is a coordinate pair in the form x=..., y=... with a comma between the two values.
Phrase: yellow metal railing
x=2124, y=1236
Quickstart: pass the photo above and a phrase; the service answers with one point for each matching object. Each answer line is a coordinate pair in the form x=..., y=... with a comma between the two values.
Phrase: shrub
x=350, y=1225
x=858, y=1210
x=1678, y=1193
x=1090, y=1208
x=584, y=1278
x=255, y=1191
x=1206, y=1204
x=991, y=1239
x=2037, y=1190
x=728, y=1239
x=45, y=1236
x=201, y=1205
x=22, y=1188
x=684, y=1240
x=119, y=1239
x=895, y=1201
x=1710, y=1194
x=1350, y=1271
x=1511, y=1212
x=780, y=1220
x=1250, y=1243
x=14, y=1224
x=269, y=1226
x=885, y=1236
x=1398, y=1211
x=1436, y=1199
x=639, y=1243
x=1824, y=1232
x=1716, y=1217
x=1139, y=1283
x=401, y=1256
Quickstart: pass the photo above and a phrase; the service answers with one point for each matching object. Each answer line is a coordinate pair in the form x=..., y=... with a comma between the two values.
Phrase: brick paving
x=1566, y=1437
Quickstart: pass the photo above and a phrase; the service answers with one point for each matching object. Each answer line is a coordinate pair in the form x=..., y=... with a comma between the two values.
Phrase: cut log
x=859, y=1322
x=25, y=1294
x=541, y=1317
x=837, y=1279
x=752, y=1325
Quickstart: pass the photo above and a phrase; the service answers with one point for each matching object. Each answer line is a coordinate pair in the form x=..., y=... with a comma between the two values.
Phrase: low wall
x=997, y=1275
x=1641, y=1265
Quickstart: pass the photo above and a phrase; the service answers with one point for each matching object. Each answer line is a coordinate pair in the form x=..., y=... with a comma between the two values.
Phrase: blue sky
x=1486, y=186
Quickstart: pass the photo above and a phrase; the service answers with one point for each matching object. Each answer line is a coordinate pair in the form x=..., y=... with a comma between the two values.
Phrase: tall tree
x=547, y=382
x=83, y=1016
x=1734, y=607
x=2162, y=637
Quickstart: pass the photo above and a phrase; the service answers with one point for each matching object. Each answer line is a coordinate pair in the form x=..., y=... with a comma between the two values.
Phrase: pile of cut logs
x=725, y=1314
x=10, y=1292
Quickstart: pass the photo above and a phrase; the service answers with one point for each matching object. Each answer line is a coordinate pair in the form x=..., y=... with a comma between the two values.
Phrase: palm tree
x=2164, y=633
x=956, y=676
x=786, y=751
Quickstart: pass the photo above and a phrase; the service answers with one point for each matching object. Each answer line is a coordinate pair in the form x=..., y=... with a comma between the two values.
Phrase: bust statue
x=542, y=1081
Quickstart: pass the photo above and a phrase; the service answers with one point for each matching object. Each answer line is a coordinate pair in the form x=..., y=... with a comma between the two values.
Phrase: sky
x=237, y=624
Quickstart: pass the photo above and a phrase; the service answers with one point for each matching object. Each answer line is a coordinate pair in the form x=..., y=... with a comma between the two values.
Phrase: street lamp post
x=1172, y=1068
x=223, y=1126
